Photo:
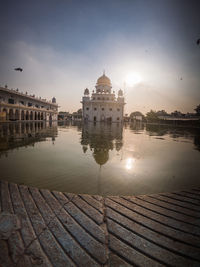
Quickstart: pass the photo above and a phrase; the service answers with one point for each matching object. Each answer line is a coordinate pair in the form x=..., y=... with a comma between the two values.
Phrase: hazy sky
x=64, y=45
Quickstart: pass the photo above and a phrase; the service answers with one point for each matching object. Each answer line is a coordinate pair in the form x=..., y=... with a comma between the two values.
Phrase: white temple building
x=103, y=104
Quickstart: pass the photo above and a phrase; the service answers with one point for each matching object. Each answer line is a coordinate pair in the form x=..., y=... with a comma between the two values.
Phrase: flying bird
x=19, y=69
x=198, y=41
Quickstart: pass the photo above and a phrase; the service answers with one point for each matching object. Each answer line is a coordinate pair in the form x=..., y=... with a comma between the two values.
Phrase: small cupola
x=86, y=92
x=53, y=100
x=120, y=92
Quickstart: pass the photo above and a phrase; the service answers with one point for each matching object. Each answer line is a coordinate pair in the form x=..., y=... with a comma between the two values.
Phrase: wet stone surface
x=44, y=228
x=9, y=223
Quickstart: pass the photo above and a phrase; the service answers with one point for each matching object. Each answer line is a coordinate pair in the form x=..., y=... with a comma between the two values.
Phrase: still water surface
x=99, y=158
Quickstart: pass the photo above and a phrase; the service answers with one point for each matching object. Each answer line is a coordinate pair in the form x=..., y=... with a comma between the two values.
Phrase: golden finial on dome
x=103, y=80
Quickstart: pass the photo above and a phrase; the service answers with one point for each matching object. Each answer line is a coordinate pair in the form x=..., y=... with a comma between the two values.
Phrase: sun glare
x=129, y=163
x=132, y=78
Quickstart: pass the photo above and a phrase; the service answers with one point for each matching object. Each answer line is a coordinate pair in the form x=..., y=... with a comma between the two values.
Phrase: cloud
x=64, y=74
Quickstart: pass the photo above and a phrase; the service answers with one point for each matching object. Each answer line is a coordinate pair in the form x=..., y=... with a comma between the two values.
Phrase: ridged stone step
x=43, y=228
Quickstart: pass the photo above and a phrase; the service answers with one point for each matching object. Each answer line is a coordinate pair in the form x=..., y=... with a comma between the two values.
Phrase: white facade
x=103, y=105
x=17, y=106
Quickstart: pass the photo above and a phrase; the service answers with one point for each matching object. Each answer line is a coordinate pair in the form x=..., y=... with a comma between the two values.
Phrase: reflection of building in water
x=197, y=142
x=70, y=124
x=136, y=126
x=14, y=135
x=103, y=104
x=100, y=139
x=17, y=106
x=175, y=132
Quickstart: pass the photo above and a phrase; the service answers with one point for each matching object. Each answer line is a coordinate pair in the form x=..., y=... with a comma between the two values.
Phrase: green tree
x=79, y=111
x=152, y=116
x=197, y=109
x=162, y=113
x=177, y=113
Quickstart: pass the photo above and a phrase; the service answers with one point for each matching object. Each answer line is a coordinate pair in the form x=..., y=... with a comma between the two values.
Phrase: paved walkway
x=43, y=228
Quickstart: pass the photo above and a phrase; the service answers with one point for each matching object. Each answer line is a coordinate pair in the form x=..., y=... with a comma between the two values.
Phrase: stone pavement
x=44, y=228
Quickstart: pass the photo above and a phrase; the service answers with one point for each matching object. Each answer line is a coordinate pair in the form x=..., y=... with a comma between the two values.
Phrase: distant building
x=103, y=105
x=63, y=115
x=177, y=114
x=137, y=115
x=16, y=106
x=77, y=115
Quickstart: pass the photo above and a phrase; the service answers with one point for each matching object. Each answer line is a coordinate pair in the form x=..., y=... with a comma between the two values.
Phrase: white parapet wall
x=17, y=106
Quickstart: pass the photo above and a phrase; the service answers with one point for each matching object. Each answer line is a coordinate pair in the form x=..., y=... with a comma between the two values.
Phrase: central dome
x=104, y=80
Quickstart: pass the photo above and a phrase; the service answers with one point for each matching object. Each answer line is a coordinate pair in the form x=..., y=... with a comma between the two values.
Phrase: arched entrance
x=31, y=115
x=16, y=114
x=50, y=117
x=6, y=114
x=39, y=116
x=95, y=118
x=22, y=115
x=27, y=115
x=42, y=116
x=36, y=116
x=11, y=115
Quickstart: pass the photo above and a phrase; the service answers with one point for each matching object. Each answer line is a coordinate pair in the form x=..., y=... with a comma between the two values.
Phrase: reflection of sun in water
x=129, y=163
x=133, y=78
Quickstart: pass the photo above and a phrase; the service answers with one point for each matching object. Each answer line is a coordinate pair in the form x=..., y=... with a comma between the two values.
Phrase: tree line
x=153, y=115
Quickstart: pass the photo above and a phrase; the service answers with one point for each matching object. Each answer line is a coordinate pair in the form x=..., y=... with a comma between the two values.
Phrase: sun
x=129, y=163
x=133, y=78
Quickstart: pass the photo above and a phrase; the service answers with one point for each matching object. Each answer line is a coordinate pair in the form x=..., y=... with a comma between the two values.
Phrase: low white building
x=17, y=106
x=103, y=104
